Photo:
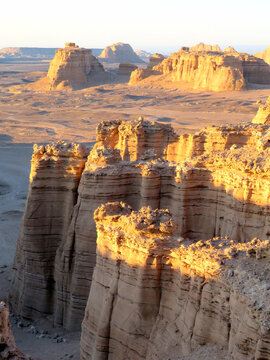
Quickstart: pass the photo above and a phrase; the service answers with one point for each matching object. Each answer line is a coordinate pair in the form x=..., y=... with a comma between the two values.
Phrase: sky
x=151, y=25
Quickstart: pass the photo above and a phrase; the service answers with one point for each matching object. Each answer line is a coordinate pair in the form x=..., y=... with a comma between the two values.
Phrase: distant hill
x=144, y=55
x=32, y=53
x=118, y=53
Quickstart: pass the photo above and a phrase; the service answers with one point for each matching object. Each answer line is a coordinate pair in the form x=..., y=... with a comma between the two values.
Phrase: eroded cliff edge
x=215, y=183
x=157, y=296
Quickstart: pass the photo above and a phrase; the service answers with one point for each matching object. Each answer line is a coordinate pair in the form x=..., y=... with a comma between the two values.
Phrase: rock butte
x=263, y=114
x=118, y=53
x=215, y=184
x=203, y=69
x=8, y=350
x=265, y=55
x=126, y=69
x=155, y=60
x=73, y=68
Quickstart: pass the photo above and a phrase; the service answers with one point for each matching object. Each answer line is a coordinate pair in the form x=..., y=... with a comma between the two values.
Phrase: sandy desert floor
x=28, y=117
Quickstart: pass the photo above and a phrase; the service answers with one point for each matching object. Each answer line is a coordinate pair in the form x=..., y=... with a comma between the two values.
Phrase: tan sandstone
x=155, y=296
x=126, y=69
x=214, y=182
x=118, y=53
x=265, y=55
x=212, y=70
x=263, y=114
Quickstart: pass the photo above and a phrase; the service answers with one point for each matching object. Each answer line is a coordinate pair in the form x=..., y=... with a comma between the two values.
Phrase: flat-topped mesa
x=73, y=67
x=263, y=114
x=214, y=183
x=265, y=55
x=125, y=69
x=8, y=348
x=201, y=47
x=217, y=71
x=157, y=296
x=118, y=53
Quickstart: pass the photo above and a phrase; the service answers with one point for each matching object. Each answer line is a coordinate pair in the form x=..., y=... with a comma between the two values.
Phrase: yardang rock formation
x=160, y=287
x=265, y=55
x=73, y=68
x=120, y=53
x=212, y=70
x=263, y=114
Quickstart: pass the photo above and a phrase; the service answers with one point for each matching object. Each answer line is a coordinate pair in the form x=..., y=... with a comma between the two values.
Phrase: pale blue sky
x=146, y=24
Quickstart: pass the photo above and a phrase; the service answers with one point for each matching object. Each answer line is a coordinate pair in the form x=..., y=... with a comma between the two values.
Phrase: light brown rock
x=72, y=67
x=155, y=296
x=214, y=182
x=263, y=114
x=118, y=53
x=155, y=60
x=265, y=55
x=126, y=69
x=8, y=350
x=216, y=71
x=201, y=47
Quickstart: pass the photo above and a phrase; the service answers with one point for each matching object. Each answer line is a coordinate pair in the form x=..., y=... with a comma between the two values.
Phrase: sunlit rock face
x=263, y=114
x=155, y=59
x=265, y=55
x=209, y=69
x=118, y=53
x=214, y=182
x=158, y=296
x=73, y=67
x=8, y=348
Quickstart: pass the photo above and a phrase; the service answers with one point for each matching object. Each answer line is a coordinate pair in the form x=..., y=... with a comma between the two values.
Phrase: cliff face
x=156, y=296
x=215, y=183
x=263, y=114
x=217, y=71
x=8, y=348
x=118, y=53
x=73, y=67
x=265, y=55
x=126, y=69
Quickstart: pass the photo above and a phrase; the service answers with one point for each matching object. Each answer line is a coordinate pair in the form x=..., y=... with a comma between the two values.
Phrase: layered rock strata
x=215, y=183
x=156, y=296
x=155, y=60
x=8, y=348
x=217, y=71
x=73, y=67
x=118, y=53
x=263, y=114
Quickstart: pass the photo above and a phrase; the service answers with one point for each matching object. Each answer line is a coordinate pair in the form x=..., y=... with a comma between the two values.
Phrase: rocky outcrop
x=217, y=71
x=157, y=296
x=118, y=53
x=201, y=47
x=28, y=53
x=265, y=55
x=155, y=60
x=144, y=55
x=8, y=348
x=126, y=69
x=214, y=182
x=72, y=68
x=263, y=114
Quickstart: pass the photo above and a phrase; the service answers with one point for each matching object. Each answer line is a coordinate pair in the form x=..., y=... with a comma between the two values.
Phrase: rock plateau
x=212, y=70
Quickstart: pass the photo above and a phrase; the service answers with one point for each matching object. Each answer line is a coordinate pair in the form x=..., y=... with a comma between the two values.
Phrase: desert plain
x=29, y=117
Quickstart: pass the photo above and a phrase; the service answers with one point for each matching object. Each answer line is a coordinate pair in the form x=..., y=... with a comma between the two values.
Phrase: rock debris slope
x=72, y=67
x=156, y=296
x=212, y=70
x=214, y=182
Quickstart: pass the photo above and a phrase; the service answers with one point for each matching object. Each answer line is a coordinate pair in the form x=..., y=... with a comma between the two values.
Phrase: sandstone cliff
x=217, y=71
x=155, y=60
x=8, y=348
x=155, y=296
x=265, y=55
x=205, y=47
x=263, y=114
x=74, y=68
x=118, y=53
x=214, y=182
